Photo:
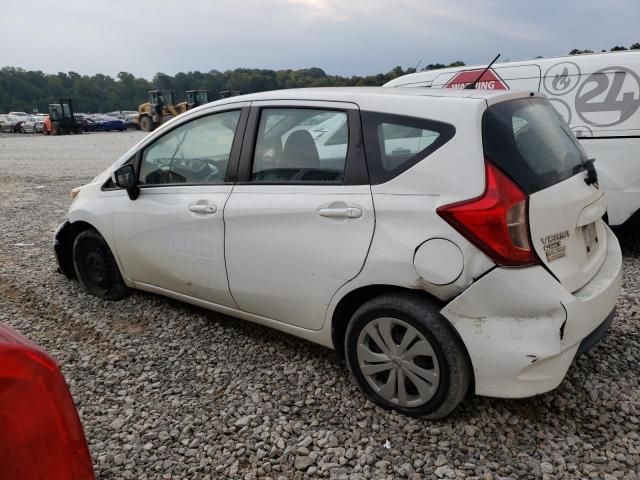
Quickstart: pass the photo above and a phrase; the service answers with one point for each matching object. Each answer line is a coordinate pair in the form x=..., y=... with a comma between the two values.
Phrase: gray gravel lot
x=166, y=390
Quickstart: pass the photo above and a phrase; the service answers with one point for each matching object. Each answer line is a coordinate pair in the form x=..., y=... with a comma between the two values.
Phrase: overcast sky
x=343, y=37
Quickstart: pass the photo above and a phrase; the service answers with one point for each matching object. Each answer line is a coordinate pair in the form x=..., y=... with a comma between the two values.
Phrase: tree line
x=24, y=90
x=617, y=48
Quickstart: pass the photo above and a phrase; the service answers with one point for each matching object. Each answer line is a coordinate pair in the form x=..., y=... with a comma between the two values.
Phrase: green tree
x=576, y=51
x=25, y=90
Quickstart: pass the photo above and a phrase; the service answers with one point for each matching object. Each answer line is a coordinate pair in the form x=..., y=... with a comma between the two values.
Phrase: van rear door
x=530, y=143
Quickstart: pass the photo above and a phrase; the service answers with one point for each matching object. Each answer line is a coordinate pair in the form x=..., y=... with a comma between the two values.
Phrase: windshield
x=201, y=98
x=166, y=97
x=528, y=140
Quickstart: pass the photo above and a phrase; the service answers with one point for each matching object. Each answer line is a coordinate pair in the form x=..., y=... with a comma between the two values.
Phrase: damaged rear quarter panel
x=503, y=337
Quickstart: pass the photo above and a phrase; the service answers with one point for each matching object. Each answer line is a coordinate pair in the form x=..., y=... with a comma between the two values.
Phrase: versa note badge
x=553, y=245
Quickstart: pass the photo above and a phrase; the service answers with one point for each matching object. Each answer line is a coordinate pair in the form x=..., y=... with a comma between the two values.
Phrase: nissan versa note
x=439, y=239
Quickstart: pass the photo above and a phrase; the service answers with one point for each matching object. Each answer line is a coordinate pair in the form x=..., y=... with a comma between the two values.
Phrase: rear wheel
x=96, y=268
x=405, y=356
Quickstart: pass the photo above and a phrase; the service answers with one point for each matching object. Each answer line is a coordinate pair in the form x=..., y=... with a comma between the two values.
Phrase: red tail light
x=40, y=432
x=496, y=222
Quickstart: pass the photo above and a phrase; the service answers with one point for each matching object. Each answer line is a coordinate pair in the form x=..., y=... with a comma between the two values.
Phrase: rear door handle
x=346, y=212
x=202, y=206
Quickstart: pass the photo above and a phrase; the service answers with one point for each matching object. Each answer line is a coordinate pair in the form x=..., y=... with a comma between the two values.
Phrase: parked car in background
x=41, y=435
x=19, y=114
x=84, y=120
x=32, y=124
x=108, y=123
x=92, y=122
x=598, y=95
x=11, y=123
x=440, y=239
x=129, y=117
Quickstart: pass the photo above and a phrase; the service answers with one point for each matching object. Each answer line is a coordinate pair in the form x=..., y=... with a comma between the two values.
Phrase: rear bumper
x=598, y=334
x=522, y=328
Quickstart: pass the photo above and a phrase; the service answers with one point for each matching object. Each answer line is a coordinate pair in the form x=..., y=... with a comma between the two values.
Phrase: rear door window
x=527, y=139
x=299, y=145
x=394, y=143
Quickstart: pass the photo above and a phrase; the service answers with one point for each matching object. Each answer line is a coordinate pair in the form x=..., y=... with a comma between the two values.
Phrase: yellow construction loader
x=195, y=98
x=159, y=109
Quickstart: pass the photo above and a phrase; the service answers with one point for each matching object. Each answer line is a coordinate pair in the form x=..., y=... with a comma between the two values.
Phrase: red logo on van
x=489, y=81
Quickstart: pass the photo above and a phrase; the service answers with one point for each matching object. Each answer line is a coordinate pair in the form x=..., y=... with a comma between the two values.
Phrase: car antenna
x=472, y=85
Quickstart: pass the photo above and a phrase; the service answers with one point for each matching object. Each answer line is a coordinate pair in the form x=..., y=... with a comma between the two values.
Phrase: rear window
x=528, y=140
x=394, y=143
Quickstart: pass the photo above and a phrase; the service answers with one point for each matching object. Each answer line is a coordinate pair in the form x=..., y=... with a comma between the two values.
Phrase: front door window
x=194, y=153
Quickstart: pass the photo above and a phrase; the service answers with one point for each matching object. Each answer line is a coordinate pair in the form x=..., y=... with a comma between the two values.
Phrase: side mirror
x=125, y=177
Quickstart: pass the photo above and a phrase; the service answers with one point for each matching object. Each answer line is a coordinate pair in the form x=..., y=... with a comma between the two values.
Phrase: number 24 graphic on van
x=625, y=106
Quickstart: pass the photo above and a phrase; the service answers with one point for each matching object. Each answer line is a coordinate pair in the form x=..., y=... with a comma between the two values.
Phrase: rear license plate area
x=590, y=235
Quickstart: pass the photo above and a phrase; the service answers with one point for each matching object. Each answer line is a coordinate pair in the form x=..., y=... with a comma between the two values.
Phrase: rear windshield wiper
x=592, y=174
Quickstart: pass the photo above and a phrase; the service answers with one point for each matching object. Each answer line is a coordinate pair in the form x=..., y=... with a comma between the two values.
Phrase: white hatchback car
x=437, y=238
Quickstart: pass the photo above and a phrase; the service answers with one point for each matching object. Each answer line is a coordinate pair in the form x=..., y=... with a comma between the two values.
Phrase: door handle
x=202, y=206
x=346, y=212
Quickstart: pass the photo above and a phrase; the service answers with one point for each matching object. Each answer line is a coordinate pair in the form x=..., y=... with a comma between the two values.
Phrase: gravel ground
x=166, y=390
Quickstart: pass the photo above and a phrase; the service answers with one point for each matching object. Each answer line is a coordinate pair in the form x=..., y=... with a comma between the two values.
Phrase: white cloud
x=341, y=36
x=319, y=8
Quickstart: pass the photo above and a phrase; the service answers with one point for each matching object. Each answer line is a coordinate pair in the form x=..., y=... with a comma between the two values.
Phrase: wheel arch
x=351, y=301
x=63, y=244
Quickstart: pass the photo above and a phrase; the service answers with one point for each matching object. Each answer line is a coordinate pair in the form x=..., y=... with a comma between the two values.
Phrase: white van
x=598, y=95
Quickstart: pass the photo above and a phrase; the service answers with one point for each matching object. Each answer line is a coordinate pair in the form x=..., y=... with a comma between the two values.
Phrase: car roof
x=356, y=94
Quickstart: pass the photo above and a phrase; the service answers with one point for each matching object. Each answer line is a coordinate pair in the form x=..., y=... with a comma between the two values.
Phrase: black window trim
x=234, y=154
x=355, y=169
x=370, y=122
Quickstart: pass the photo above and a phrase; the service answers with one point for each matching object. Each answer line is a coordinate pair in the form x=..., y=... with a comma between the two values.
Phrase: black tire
x=95, y=267
x=455, y=372
x=146, y=123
